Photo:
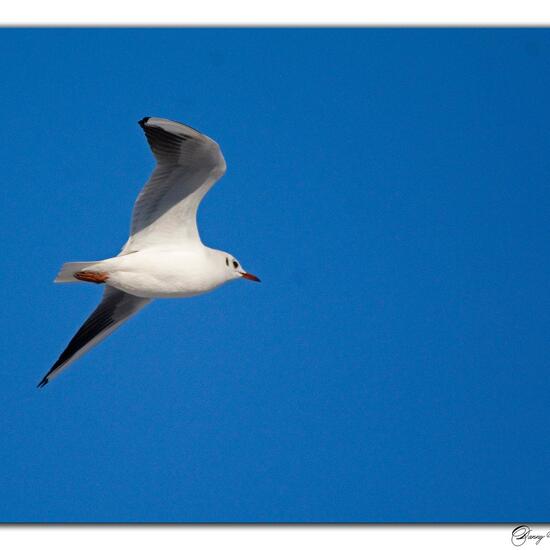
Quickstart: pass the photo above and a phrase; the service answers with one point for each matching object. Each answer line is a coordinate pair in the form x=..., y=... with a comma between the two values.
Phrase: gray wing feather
x=115, y=308
x=188, y=165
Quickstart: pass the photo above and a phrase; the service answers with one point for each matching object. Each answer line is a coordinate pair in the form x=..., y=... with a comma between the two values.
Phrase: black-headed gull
x=164, y=256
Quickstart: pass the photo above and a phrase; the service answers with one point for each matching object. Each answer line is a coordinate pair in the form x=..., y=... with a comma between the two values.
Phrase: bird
x=164, y=256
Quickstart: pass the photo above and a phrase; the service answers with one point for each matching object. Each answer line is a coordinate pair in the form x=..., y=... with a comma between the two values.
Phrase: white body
x=166, y=272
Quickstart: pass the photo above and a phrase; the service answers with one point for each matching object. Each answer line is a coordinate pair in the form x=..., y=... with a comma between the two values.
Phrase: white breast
x=164, y=273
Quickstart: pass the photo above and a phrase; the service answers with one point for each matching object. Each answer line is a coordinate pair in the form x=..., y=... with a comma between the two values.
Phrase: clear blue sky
x=390, y=187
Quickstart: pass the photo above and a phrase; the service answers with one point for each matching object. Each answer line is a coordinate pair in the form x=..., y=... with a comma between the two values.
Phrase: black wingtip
x=43, y=382
x=143, y=121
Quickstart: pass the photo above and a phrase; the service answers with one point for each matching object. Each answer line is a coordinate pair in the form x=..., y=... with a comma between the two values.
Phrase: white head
x=233, y=269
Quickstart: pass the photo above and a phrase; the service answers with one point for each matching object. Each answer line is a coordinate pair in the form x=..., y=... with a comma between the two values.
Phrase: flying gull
x=164, y=256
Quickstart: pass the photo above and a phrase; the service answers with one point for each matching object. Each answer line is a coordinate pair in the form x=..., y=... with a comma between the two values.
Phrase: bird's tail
x=67, y=271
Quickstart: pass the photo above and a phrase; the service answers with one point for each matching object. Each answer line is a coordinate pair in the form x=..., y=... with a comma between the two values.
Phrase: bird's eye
x=235, y=264
x=227, y=262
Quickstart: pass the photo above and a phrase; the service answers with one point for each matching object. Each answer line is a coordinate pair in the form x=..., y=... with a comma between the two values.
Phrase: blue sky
x=391, y=189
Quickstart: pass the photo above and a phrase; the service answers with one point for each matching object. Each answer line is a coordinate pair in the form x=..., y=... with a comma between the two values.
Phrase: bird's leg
x=91, y=277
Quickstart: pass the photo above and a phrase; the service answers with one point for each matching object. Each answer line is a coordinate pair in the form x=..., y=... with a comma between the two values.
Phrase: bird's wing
x=115, y=308
x=188, y=165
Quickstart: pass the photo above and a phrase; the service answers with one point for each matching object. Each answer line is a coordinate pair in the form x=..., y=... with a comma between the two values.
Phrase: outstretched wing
x=115, y=308
x=188, y=165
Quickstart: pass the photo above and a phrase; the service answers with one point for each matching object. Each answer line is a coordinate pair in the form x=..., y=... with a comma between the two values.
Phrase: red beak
x=250, y=277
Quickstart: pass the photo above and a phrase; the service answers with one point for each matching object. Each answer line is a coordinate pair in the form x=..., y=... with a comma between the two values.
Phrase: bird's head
x=234, y=269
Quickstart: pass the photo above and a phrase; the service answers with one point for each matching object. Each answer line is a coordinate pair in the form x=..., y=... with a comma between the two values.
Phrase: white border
x=265, y=537
x=282, y=12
